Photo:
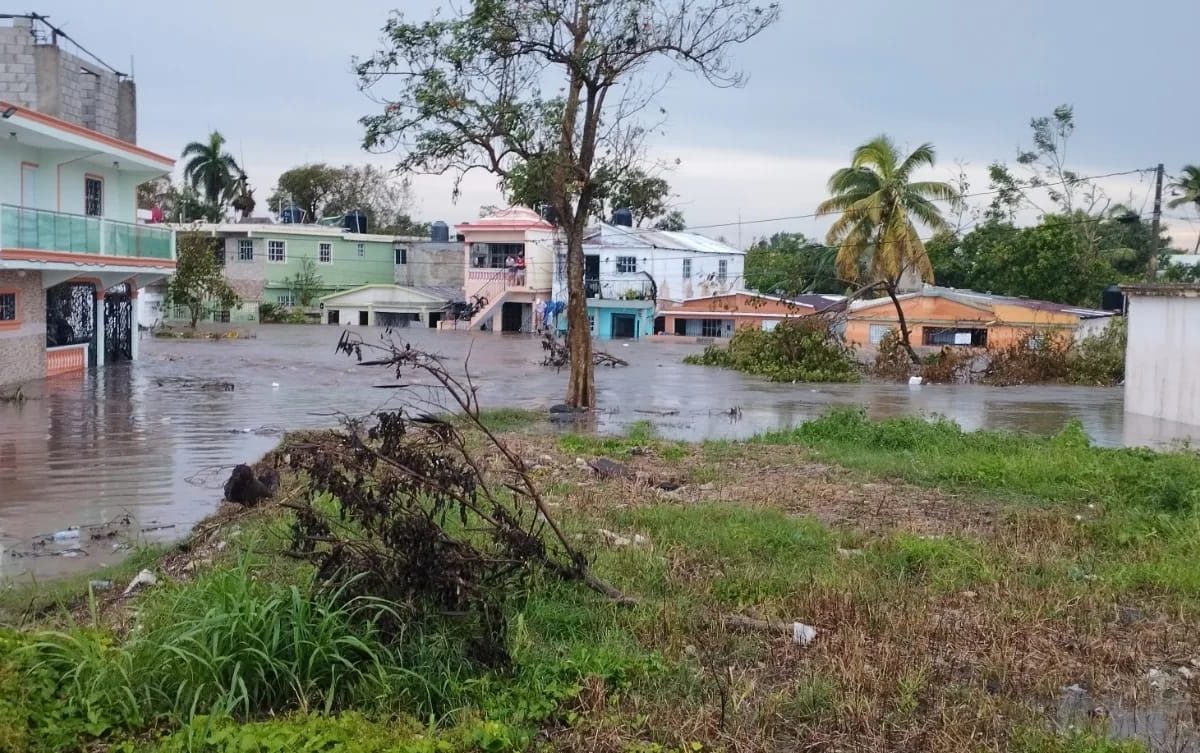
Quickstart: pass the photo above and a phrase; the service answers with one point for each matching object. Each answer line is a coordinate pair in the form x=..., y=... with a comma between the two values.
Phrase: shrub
x=806, y=349
x=271, y=313
x=948, y=366
x=892, y=361
x=1100, y=359
x=1034, y=358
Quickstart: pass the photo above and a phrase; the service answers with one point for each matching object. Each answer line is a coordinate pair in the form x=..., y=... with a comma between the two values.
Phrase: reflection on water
x=148, y=440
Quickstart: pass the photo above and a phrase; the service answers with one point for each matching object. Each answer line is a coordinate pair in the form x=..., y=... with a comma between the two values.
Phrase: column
x=135, y=321
x=99, y=338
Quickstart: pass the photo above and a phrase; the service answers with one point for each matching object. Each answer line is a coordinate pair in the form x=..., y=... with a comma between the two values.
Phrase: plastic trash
x=100, y=585
x=275, y=385
x=144, y=578
x=803, y=634
x=915, y=381
x=66, y=534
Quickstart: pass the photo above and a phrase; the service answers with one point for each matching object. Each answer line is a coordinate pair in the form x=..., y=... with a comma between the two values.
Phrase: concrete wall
x=53, y=81
x=1162, y=363
x=432, y=265
x=59, y=182
x=23, y=346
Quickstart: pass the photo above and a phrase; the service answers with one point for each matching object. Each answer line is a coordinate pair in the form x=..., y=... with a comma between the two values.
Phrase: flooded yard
x=139, y=451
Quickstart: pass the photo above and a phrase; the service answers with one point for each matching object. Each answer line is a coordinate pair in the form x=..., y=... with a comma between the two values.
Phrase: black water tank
x=355, y=221
x=291, y=215
x=439, y=232
x=1112, y=299
x=623, y=217
x=549, y=214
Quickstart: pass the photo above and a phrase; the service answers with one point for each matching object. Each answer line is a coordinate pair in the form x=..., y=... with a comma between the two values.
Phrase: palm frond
x=880, y=153
x=922, y=156
x=927, y=213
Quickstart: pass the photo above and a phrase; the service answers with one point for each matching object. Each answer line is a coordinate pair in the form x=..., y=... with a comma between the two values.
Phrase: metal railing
x=43, y=230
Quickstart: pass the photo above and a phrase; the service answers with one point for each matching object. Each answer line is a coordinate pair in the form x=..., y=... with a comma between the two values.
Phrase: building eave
x=79, y=137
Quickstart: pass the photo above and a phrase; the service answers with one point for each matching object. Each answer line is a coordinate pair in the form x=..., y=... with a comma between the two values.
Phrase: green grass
x=511, y=419
x=639, y=436
x=1062, y=468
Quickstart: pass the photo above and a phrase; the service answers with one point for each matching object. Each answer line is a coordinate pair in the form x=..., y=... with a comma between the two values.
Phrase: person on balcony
x=520, y=270
x=510, y=269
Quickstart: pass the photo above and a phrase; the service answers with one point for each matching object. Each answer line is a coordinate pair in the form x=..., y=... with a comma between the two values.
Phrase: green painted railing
x=41, y=230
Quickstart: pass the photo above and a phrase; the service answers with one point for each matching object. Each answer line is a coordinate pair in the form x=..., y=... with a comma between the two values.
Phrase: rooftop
x=620, y=236
x=985, y=300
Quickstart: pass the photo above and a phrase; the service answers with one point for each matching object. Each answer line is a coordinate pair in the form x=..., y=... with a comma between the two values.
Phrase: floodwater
x=137, y=452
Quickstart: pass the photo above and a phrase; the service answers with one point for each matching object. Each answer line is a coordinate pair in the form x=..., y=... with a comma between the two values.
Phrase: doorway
x=118, y=324
x=680, y=326
x=335, y=316
x=660, y=325
x=591, y=276
x=434, y=318
x=364, y=318
x=624, y=326
x=511, y=316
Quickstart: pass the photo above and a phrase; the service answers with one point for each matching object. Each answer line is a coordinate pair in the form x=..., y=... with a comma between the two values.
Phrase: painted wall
x=432, y=264
x=1162, y=363
x=347, y=269
x=23, y=345
x=1005, y=322
x=59, y=186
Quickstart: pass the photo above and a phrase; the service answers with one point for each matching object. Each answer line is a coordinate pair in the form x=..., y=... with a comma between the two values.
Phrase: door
x=363, y=318
x=118, y=324
x=434, y=318
x=511, y=316
x=681, y=326
x=591, y=276
x=624, y=326
x=335, y=316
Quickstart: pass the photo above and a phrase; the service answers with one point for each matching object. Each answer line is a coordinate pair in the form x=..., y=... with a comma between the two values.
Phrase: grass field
x=969, y=591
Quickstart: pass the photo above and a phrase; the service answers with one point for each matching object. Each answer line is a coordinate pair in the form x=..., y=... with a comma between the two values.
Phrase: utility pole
x=1152, y=267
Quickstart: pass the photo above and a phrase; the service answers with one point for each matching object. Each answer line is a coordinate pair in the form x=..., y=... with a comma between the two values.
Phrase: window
x=401, y=255
x=711, y=327
x=687, y=269
x=591, y=323
x=8, y=308
x=723, y=270
x=221, y=316
x=878, y=332
x=361, y=248
x=277, y=251
x=286, y=299
x=626, y=264
x=494, y=255
x=245, y=249
x=963, y=337
x=93, y=196
x=219, y=254
x=325, y=253
x=769, y=325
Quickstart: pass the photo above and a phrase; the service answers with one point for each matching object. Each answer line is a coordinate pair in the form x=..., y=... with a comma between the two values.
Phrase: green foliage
x=209, y=169
x=1100, y=359
x=271, y=313
x=1062, y=468
x=789, y=264
x=1048, y=262
x=1054, y=356
x=305, y=285
x=805, y=349
x=672, y=221
x=643, y=194
x=199, y=281
x=638, y=437
x=323, y=190
x=1040, y=740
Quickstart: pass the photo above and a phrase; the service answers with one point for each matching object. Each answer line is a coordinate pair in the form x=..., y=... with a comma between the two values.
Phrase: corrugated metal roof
x=984, y=300
x=617, y=236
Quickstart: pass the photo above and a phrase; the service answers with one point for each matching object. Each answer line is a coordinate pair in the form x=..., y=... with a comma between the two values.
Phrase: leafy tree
x=471, y=98
x=1187, y=185
x=159, y=193
x=306, y=283
x=643, y=194
x=789, y=264
x=209, y=169
x=951, y=264
x=198, y=282
x=673, y=221
x=240, y=196
x=323, y=190
x=308, y=186
x=1047, y=261
x=877, y=239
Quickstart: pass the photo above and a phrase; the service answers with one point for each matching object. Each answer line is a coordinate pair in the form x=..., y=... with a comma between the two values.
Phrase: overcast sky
x=275, y=78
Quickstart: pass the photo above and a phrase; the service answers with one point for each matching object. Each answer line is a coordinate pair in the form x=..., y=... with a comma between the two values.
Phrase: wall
x=50, y=80
x=432, y=264
x=23, y=348
x=1162, y=363
x=59, y=186
x=246, y=277
x=377, y=266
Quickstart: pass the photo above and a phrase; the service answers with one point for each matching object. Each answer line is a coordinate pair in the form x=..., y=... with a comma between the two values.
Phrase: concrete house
x=72, y=256
x=631, y=274
x=949, y=317
x=506, y=298
x=723, y=314
x=263, y=258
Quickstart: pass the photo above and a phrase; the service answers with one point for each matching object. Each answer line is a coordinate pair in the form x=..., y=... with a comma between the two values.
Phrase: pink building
x=506, y=293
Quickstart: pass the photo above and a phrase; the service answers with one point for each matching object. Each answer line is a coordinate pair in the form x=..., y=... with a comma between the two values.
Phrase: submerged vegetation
x=893, y=540
x=804, y=349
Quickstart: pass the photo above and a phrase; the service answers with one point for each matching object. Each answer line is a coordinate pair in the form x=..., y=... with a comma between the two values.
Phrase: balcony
x=41, y=230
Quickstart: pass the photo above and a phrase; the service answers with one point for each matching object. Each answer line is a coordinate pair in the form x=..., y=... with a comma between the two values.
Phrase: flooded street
x=147, y=442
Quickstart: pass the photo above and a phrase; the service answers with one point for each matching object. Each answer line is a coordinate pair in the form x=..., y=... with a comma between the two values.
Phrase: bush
x=1043, y=357
x=948, y=366
x=892, y=361
x=806, y=349
x=271, y=313
x=1100, y=359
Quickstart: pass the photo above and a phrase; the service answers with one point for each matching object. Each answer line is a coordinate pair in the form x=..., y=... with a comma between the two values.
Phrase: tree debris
x=558, y=354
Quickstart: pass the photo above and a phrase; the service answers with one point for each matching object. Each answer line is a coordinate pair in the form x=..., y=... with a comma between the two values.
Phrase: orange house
x=938, y=317
x=721, y=315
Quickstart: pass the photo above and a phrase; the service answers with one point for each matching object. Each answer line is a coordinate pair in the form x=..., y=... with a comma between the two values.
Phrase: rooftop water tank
x=439, y=232
x=623, y=217
x=291, y=215
x=1112, y=299
x=355, y=221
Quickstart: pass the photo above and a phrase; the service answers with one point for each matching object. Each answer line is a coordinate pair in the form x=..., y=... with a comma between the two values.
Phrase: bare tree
x=469, y=95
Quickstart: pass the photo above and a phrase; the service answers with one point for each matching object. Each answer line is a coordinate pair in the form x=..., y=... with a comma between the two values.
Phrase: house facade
x=723, y=314
x=72, y=256
x=1162, y=360
x=938, y=317
x=263, y=261
x=632, y=274
x=506, y=297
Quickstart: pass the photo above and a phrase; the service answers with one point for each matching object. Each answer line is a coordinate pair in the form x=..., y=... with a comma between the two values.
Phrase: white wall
x=59, y=186
x=1162, y=362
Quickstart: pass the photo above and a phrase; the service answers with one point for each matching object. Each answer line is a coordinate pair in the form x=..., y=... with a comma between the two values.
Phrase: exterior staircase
x=495, y=291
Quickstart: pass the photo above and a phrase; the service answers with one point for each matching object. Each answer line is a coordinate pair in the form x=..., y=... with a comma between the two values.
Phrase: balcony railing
x=38, y=229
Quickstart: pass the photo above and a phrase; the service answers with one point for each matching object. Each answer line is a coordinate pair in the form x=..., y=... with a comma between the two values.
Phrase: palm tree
x=875, y=235
x=1187, y=186
x=209, y=169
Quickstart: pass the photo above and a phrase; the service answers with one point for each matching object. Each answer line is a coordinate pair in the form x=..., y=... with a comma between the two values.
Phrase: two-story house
x=72, y=256
x=509, y=263
x=631, y=273
x=332, y=269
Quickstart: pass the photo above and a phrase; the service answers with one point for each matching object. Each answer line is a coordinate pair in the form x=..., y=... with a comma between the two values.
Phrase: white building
x=1162, y=360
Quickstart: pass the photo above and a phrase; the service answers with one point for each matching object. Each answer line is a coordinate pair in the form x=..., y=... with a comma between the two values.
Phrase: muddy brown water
x=137, y=452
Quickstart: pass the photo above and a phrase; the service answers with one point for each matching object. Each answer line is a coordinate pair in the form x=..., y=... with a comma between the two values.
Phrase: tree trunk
x=581, y=386
x=904, y=333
